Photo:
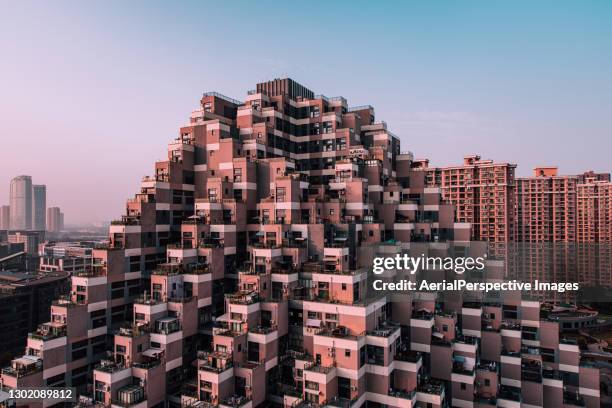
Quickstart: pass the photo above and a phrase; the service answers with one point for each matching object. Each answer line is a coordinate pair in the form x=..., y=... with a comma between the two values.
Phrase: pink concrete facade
x=238, y=276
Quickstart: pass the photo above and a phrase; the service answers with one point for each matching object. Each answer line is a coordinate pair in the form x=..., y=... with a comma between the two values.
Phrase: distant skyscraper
x=21, y=203
x=39, y=207
x=5, y=217
x=55, y=219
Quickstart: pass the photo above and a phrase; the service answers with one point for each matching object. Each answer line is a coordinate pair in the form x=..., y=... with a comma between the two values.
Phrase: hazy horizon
x=93, y=92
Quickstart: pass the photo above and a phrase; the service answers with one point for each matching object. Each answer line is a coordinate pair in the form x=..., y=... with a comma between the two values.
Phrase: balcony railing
x=243, y=298
x=133, y=330
x=235, y=401
x=432, y=387
x=409, y=356
x=509, y=393
x=109, y=366
x=126, y=220
x=22, y=371
x=49, y=331
x=179, y=268
x=383, y=331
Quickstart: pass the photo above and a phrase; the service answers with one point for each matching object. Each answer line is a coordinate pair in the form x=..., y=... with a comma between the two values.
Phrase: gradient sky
x=92, y=92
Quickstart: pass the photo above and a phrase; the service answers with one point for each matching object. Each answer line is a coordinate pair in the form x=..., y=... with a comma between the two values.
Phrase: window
x=509, y=312
x=529, y=333
x=347, y=353
x=445, y=328
x=311, y=385
x=463, y=386
x=487, y=382
x=344, y=286
x=362, y=356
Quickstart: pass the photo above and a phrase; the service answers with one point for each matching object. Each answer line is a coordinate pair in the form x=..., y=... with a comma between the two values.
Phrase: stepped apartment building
x=239, y=277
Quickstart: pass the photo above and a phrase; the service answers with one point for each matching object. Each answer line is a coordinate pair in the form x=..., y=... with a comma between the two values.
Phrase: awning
x=313, y=323
x=152, y=352
x=259, y=234
x=223, y=318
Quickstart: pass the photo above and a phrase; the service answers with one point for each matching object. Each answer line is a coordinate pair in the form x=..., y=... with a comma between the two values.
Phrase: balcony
x=432, y=387
x=215, y=361
x=283, y=271
x=341, y=402
x=403, y=394
x=552, y=374
x=294, y=243
x=243, y=298
x=96, y=271
x=265, y=245
x=317, y=368
x=147, y=301
x=49, y=331
x=263, y=330
x=466, y=340
x=409, y=356
x=422, y=315
x=488, y=366
x=384, y=330
x=129, y=396
x=133, y=330
x=510, y=325
x=573, y=399
x=510, y=353
x=485, y=401
x=340, y=332
x=167, y=325
x=22, y=367
x=211, y=242
x=64, y=301
x=126, y=220
x=109, y=366
x=509, y=393
x=167, y=269
x=147, y=364
x=235, y=401
x=461, y=368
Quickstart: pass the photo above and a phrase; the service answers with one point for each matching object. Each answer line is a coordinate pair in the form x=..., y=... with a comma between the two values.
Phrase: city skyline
x=27, y=208
x=239, y=275
x=480, y=84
